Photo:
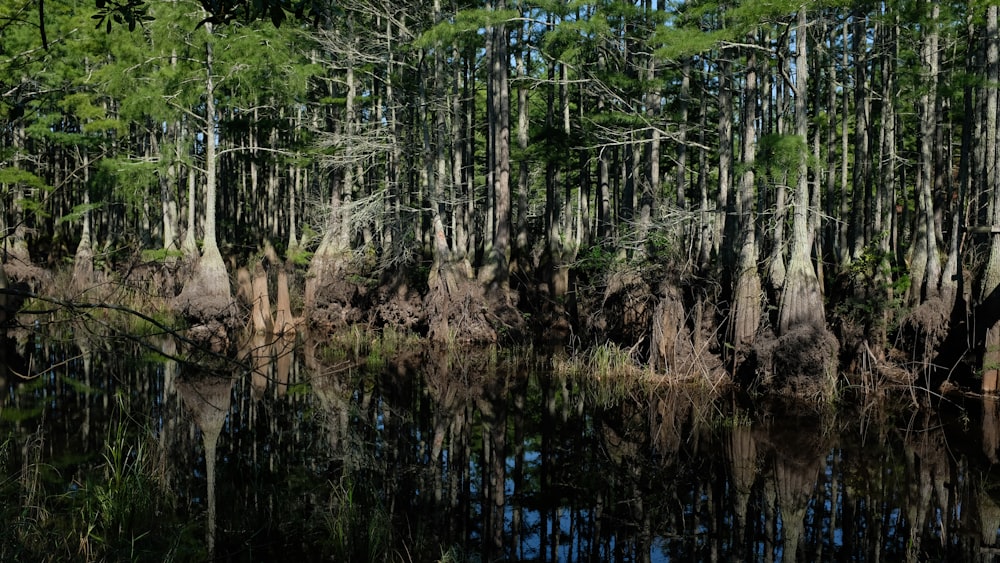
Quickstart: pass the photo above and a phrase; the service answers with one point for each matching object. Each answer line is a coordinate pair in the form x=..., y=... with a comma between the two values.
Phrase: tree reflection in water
x=313, y=453
x=208, y=399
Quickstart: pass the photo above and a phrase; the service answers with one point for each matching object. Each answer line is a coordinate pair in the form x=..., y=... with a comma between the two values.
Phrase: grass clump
x=118, y=508
x=358, y=526
x=610, y=360
x=372, y=348
x=603, y=361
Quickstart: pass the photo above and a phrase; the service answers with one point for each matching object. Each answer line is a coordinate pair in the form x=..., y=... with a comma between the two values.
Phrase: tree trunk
x=605, y=222
x=168, y=196
x=925, y=265
x=523, y=174
x=83, y=261
x=861, y=180
x=260, y=311
x=778, y=268
x=16, y=243
x=885, y=224
x=802, y=300
x=559, y=238
x=207, y=295
x=680, y=173
x=498, y=269
x=990, y=298
x=747, y=293
x=190, y=244
x=707, y=220
x=725, y=125
x=650, y=179
x=455, y=297
x=830, y=229
x=328, y=295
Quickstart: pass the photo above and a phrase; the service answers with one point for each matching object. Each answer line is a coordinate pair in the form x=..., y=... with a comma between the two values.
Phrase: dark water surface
x=306, y=453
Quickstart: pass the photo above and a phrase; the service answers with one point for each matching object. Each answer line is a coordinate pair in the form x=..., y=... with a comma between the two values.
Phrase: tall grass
x=374, y=348
x=610, y=360
x=358, y=526
x=607, y=372
x=119, y=509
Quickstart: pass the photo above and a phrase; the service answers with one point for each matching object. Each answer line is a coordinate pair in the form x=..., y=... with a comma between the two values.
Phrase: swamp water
x=300, y=452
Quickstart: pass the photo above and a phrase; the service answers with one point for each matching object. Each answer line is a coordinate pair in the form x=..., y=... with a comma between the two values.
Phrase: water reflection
x=209, y=400
x=307, y=452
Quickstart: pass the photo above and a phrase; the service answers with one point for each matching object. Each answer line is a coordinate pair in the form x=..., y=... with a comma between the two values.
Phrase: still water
x=117, y=449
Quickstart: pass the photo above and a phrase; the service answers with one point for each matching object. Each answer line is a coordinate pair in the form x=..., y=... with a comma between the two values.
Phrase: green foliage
x=737, y=419
x=132, y=13
x=79, y=104
x=662, y=245
x=137, y=326
x=55, y=128
x=161, y=254
x=300, y=256
x=464, y=24
x=78, y=212
x=120, y=514
x=574, y=38
x=131, y=180
x=358, y=525
x=375, y=361
x=874, y=287
x=608, y=360
x=33, y=206
x=118, y=509
x=550, y=145
x=681, y=42
x=703, y=26
x=124, y=496
x=79, y=386
x=596, y=261
x=781, y=154
x=10, y=176
x=126, y=12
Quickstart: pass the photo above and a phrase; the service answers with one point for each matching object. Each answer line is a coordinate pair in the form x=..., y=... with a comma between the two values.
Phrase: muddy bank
x=662, y=319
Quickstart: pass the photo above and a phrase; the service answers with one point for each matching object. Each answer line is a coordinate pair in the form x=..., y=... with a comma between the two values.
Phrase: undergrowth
x=117, y=508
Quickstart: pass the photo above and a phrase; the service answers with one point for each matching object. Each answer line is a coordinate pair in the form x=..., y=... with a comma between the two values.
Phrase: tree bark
x=207, y=295
x=925, y=264
x=680, y=172
x=523, y=171
x=725, y=126
x=990, y=296
x=861, y=179
x=650, y=180
x=747, y=293
x=83, y=261
x=802, y=300
x=497, y=272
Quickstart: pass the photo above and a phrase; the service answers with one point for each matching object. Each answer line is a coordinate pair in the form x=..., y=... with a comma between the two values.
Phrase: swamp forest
x=580, y=280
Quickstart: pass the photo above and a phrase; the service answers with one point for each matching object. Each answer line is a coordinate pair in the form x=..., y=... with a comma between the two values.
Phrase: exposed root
x=400, y=305
x=206, y=297
x=626, y=311
x=336, y=297
x=800, y=363
x=925, y=328
x=457, y=307
x=678, y=347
